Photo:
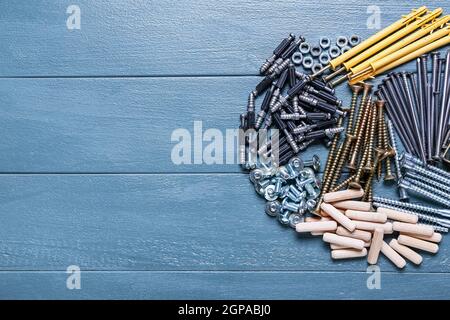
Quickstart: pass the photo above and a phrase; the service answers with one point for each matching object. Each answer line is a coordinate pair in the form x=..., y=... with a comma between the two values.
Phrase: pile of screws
x=365, y=148
x=302, y=110
x=290, y=190
x=415, y=34
x=353, y=230
x=312, y=57
x=425, y=124
x=295, y=112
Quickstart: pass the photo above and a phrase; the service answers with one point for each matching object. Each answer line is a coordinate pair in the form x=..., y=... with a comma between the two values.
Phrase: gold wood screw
x=343, y=184
x=355, y=92
x=331, y=160
x=360, y=129
x=369, y=157
x=356, y=182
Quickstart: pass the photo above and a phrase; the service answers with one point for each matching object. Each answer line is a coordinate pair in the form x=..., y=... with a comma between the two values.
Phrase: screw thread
x=360, y=130
x=330, y=161
x=369, y=149
x=393, y=141
x=393, y=144
x=354, y=101
x=427, y=184
x=426, y=173
x=343, y=184
x=409, y=186
x=416, y=161
x=427, y=218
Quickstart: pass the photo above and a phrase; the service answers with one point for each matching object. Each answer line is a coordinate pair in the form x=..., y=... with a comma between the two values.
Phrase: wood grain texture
x=171, y=37
x=224, y=285
x=157, y=222
x=116, y=125
x=85, y=170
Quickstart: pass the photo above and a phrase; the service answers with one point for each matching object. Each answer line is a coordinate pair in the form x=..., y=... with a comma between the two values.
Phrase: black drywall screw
x=284, y=44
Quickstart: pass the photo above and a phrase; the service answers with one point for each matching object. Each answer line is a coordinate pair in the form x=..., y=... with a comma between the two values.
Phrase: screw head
x=316, y=163
x=283, y=218
x=296, y=164
x=272, y=208
x=256, y=175
x=294, y=219
x=270, y=193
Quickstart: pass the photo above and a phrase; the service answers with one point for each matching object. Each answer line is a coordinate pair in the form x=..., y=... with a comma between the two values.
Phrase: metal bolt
x=402, y=191
x=295, y=219
x=310, y=190
x=272, y=208
x=407, y=165
x=412, y=206
x=431, y=195
x=313, y=163
x=430, y=219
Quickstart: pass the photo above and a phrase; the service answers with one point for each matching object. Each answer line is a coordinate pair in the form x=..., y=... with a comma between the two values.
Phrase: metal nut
x=334, y=52
x=324, y=58
x=354, y=40
x=316, y=67
x=297, y=58
x=341, y=41
x=304, y=47
x=316, y=50
x=325, y=42
x=307, y=62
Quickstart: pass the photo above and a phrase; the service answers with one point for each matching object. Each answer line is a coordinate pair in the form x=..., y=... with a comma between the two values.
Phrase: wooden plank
x=117, y=125
x=170, y=38
x=157, y=222
x=224, y=285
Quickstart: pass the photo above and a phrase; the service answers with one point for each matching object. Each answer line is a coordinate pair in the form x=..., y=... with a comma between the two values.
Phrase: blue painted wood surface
x=85, y=172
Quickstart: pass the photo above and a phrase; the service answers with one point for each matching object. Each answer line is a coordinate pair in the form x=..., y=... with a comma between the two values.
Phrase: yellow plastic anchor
x=414, y=47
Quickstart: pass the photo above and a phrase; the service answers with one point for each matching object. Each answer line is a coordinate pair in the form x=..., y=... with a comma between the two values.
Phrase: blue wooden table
x=86, y=118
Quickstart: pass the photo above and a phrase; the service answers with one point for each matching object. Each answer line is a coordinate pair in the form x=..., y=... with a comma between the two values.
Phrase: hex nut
x=316, y=51
x=316, y=67
x=304, y=47
x=345, y=49
x=297, y=58
x=307, y=62
x=341, y=41
x=354, y=40
x=324, y=58
x=334, y=52
x=325, y=42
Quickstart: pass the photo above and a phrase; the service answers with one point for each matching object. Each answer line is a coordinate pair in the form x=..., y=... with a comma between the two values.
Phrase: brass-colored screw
x=390, y=153
x=362, y=107
x=331, y=160
x=343, y=184
x=356, y=89
x=368, y=189
x=360, y=129
x=359, y=171
x=345, y=149
x=333, y=155
x=373, y=123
